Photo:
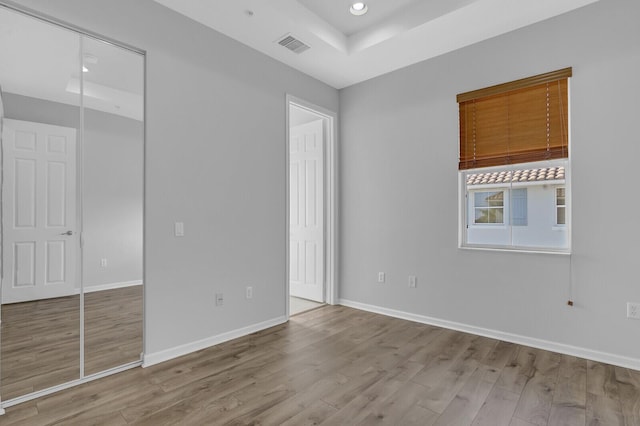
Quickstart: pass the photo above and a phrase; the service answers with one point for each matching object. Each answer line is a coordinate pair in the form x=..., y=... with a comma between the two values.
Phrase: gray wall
x=215, y=159
x=399, y=187
x=113, y=198
x=112, y=216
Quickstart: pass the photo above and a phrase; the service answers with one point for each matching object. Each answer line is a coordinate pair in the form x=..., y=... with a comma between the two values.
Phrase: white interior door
x=38, y=211
x=306, y=176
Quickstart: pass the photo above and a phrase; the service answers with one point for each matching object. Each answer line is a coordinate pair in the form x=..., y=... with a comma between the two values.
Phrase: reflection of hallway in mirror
x=40, y=340
x=40, y=345
x=113, y=328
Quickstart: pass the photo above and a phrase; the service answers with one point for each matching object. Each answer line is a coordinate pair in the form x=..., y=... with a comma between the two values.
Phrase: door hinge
x=82, y=240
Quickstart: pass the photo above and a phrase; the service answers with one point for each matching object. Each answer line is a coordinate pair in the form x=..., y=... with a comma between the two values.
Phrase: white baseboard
x=167, y=354
x=90, y=288
x=608, y=358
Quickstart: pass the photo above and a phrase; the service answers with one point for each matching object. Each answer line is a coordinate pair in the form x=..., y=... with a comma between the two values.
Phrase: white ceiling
x=41, y=60
x=346, y=49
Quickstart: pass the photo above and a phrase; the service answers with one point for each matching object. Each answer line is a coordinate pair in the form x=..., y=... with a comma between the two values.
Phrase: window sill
x=516, y=250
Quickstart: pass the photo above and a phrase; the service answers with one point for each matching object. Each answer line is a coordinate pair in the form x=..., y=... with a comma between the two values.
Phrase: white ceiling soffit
x=347, y=49
x=42, y=61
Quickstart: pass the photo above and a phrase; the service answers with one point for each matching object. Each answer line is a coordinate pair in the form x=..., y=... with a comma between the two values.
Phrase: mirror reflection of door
x=40, y=334
x=40, y=239
x=72, y=171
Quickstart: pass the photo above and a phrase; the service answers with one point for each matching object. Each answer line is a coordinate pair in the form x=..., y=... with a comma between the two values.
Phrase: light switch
x=179, y=229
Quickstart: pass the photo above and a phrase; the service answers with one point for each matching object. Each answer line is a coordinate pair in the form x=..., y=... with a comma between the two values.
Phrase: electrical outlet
x=633, y=310
x=103, y=263
x=219, y=299
x=178, y=229
x=413, y=281
x=381, y=277
x=249, y=294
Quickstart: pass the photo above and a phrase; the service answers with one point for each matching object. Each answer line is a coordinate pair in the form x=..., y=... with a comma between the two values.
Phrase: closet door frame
x=83, y=34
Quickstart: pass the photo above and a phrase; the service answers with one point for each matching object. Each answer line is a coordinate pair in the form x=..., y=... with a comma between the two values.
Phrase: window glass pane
x=496, y=199
x=480, y=199
x=482, y=216
x=495, y=202
x=561, y=220
x=496, y=216
x=560, y=196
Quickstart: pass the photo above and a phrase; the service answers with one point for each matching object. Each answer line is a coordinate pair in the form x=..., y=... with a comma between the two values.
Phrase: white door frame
x=330, y=119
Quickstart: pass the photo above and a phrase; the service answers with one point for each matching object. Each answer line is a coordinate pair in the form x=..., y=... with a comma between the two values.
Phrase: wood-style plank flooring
x=41, y=339
x=339, y=366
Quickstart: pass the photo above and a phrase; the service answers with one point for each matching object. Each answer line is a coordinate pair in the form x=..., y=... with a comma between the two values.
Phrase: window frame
x=557, y=206
x=464, y=208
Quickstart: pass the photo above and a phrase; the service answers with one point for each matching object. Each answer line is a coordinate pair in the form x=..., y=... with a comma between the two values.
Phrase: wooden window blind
x=517, y=122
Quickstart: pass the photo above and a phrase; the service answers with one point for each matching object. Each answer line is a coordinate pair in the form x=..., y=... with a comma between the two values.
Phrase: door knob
x=67, y=233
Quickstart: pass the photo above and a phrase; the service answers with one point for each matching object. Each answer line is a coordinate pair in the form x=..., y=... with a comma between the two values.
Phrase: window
x=489, y=207
x=514, y=164
x=492, y=207
x=561, y=207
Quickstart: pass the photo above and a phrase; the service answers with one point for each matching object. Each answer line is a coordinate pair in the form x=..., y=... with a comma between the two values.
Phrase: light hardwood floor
x=340, y=366
x=298, y=305
x=41, y=339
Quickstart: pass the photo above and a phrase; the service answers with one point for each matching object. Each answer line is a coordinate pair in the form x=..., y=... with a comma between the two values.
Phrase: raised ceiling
x=347, y=49
x=337, y=13
x=42, y=60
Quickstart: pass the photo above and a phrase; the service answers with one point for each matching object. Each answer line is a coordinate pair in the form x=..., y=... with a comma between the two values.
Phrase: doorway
x=311, y=206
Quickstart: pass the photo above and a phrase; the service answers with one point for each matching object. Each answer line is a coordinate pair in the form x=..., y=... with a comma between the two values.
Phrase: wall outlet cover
x=633, y=310
x=381, y=277
x=413, y=281
x=178, y=228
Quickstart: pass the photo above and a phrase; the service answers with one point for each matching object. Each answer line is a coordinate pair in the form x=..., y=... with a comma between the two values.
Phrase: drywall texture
x=215, y=160
x=112, y=190
x=399, y=187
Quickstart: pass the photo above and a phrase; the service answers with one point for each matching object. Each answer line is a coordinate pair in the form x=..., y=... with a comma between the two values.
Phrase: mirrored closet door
x=72, y=139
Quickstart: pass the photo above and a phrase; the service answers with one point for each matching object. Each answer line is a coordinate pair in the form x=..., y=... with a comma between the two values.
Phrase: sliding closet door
x=40, y=330
x=112, y=195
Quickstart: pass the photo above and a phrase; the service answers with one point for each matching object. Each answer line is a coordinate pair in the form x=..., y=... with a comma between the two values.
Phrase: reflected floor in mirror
x=40, y=339
x=40, y=345
x=113, y=328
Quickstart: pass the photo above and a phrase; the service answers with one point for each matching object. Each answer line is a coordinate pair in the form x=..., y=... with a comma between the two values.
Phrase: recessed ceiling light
x=358, y=8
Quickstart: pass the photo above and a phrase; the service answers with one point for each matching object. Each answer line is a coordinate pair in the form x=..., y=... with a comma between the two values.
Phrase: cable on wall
x=570, y=300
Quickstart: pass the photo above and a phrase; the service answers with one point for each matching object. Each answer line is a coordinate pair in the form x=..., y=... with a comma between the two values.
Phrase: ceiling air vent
x=293, y=44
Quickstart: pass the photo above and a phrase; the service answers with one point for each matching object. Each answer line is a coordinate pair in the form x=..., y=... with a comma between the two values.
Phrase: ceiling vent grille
x=293, y=44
